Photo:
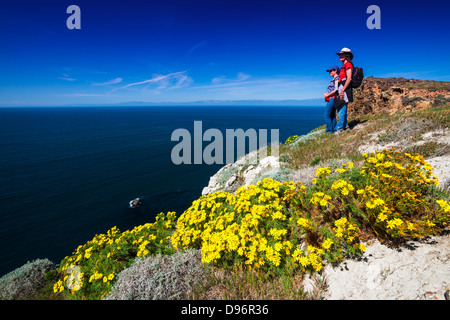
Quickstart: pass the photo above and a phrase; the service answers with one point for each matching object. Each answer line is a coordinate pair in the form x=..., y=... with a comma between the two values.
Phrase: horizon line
x=209, y=102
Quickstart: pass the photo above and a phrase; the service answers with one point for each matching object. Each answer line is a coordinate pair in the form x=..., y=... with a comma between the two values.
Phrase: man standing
x=345, y=89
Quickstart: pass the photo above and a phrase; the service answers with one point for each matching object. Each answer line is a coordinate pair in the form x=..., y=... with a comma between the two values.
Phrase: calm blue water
x=68, y=173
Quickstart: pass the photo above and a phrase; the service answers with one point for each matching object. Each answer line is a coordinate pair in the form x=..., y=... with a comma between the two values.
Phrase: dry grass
x=401, y=126
x=237, y=284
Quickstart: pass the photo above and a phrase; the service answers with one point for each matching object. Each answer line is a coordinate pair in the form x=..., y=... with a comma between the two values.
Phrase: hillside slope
x=424, y=131
x=406, y=115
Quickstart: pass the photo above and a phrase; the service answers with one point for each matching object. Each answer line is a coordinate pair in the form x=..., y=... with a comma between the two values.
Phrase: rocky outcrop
x=242, y=172
x=391, y=95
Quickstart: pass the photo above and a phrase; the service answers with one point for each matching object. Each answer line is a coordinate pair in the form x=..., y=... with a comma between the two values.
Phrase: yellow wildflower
x=430, y=224
x=411, y=226
x=323, y=171
x=370, y=204
x=382, y=216
x=327, y=244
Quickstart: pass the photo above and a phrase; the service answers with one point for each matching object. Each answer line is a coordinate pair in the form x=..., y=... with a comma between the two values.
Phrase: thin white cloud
x=191, y=50
x=198, y=45
x=442, y=78
x=175, y=82
x=251, y=83
x=79, y=94
x=222, y=79
x=68, y=79
x=11, y=102
x=242, y=76
x=168, y=81
x=281, y=87
x=113, y=81
x=407, y=75
x=217, y=80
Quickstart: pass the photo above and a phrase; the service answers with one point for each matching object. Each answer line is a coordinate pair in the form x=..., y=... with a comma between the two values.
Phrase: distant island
x=294, y=103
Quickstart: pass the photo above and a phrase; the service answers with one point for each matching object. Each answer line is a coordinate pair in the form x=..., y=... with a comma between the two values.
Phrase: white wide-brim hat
x=345, y=50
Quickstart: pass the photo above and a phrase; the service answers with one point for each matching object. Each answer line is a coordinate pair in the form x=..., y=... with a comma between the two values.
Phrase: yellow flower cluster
x=106, y=254
x=320, y=172
x=349, y=232
x=277, y=234
x=327, y=244
x=206, y=214
x=395, y=198
x=320, y=198
x=345, y=167
x=311, y=259
x=290, y=139
x=58, y=286
x=395, y=223
x=342, y=186
x=74, y=281
x=391, y=164
x=374, y=158
x=444, y=205
x=260, y=227
x=343, y=226
x=95, y=276
x=251, y=226
x=306, y=224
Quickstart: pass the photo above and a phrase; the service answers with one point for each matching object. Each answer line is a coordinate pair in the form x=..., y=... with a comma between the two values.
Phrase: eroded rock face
x=243, y=172
x=388, y=96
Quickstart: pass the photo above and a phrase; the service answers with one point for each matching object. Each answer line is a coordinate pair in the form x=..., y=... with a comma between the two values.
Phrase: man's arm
x=347, y=81
x=349, y=78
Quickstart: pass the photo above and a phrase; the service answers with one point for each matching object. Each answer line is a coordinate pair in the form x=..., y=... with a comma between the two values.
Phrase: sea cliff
x=385, y=117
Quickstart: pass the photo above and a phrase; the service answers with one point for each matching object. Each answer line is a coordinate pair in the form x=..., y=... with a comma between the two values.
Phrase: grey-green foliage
x=279, y=174
x=285, y=157
x=161, y=277
x=24, y=281
x=226, y=174
x=306, y=137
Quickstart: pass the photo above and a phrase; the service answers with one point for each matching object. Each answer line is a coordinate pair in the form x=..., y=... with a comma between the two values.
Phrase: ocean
x=68, y=173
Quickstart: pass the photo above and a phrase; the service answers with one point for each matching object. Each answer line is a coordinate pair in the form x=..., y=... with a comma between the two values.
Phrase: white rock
x=422, y=273
x=249, y=175
x=270, y=161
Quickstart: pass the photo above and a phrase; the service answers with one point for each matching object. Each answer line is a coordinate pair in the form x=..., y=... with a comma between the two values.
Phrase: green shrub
x=284, y=228
x=412, y=100
x=291, y=139
x=90, y=272
x=316, y=161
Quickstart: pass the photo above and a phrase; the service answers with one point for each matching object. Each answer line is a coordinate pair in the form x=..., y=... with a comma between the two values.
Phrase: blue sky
x=169, y=50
